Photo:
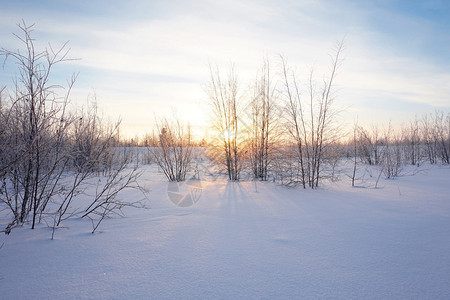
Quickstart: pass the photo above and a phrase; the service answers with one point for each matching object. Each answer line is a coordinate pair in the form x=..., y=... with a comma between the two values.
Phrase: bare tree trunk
x=296, y=123
x=263, y=123
x=355, y=153
x=225, y=107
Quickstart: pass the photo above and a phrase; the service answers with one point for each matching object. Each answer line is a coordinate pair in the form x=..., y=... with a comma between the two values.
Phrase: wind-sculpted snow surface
x=250, y=241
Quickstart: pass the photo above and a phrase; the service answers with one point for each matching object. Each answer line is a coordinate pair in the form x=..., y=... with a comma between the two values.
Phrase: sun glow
x=227, y=135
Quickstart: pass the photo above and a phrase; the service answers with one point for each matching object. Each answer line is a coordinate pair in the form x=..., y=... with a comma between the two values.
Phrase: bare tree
x=172, y=150
x=7, y=157
x=324, y=116
x=428, y=138
x=106, y=201
x=391, y=160
x=296, y=124
x=355, y=151
x=91, y=153
x=412, y=142
x=49, y=154
x=369, y=145
x=263, y=133
x=37, y=115
x=435, y=135
x=442, y=135
x=225, y=102
x=309, y=122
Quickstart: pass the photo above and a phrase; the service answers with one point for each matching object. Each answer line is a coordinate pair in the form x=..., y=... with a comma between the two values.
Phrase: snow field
x=248, y=240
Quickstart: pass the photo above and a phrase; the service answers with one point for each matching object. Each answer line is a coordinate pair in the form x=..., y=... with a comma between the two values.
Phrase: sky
x=144, y=60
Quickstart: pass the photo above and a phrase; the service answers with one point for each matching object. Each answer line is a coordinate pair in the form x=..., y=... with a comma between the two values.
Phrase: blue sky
x=146, y=58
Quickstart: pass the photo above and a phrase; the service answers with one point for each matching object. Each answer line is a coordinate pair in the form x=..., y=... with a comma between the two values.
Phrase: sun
x=227, y=134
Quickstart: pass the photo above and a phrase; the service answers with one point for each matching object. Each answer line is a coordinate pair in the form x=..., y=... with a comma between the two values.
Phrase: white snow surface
x=247, y=240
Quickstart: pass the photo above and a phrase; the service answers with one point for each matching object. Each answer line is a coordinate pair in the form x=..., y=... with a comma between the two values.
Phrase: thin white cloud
x=161, y=61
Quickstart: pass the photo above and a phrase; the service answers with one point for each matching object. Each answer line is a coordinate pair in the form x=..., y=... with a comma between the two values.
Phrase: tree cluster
x=424, y=139
x=278, y=128
x=49, y=154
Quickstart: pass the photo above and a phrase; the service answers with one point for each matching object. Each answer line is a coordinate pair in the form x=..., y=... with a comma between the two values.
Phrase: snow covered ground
x=248, y=240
